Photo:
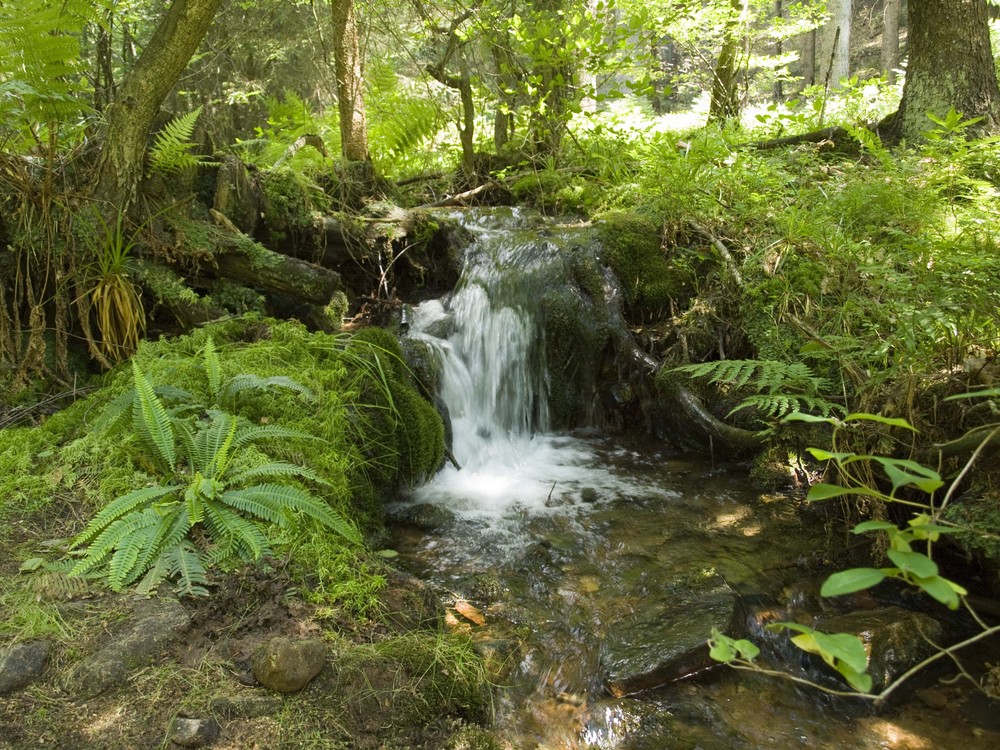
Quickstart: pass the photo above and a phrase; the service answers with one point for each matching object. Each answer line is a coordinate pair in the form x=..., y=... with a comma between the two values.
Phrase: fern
x=152, y=423
x=782, y=387
x=171, y=150
x=146, y=534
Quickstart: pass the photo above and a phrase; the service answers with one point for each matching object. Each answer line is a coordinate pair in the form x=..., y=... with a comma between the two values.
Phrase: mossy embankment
x=394, y=677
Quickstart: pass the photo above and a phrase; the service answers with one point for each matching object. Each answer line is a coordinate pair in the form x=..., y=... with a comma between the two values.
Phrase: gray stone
x=423, y=516
x=193, y=732
x=409, y=603
x=22, y=663
x=658, y=645
x=157, y=622
x=895, y=638
x=288, y=664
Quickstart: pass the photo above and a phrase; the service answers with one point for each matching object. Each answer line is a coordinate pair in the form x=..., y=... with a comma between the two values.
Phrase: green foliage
x=204, y=493
x=784, y=388
x=844, y=652
x=171, y=150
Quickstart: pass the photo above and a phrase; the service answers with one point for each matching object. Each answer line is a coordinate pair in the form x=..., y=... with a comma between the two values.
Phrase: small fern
x=147, y=535
x=782, y=387
x=171, y=150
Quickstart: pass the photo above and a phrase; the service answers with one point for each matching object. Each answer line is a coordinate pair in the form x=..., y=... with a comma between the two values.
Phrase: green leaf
x=827, y=491
x=851, y=580
x=902, y=472
x=213, y=369
x=865, y=526
x=891, y=421
x=31, y=565
x=822, y=455
x=811, y=418
x=986, y=393
x=151, y=419
x=945, y=591
x=916, y=563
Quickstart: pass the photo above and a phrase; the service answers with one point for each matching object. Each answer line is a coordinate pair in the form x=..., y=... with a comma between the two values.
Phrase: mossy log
x=267, y=271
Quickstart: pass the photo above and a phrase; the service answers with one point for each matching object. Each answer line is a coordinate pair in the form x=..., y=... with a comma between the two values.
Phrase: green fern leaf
x=258, y=506
x=171, y=149
x=120, y=507
x=256, y=433
x=152, y=421
x=240, y=535
x=185, y=564
x=242, y=383
x=309, y=505
x=213, y=369
x=274, y=470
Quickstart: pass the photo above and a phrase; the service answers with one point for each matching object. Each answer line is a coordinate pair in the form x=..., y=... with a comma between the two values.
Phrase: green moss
x=554, y=192
x=403, y=424
x=632, y=245
x=291, y=201
x=237, y=298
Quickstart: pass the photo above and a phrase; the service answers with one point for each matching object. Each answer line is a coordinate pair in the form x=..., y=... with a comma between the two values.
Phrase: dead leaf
x=470, y=613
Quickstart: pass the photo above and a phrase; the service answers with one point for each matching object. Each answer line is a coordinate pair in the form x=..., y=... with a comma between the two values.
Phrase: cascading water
x=592, y=557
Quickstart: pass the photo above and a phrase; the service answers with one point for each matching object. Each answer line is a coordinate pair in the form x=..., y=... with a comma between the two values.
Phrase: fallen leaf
x=470, y=613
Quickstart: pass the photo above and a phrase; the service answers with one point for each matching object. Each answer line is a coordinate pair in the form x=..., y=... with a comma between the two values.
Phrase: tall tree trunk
x=809, y=58
x=950, y=65
x=350, y=82
x=725, y=104
x=130, y=116
x=779, y=50
x=837, y=47
x=890, y=38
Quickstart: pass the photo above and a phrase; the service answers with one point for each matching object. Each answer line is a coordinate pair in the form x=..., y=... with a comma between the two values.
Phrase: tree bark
x=950, y=65
x=131, y=115
x=350, y=82
x=837, y=49
x=725, y=104
x=890, y=38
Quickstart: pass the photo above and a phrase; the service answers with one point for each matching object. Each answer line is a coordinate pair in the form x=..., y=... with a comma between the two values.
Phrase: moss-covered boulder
x=633, y=247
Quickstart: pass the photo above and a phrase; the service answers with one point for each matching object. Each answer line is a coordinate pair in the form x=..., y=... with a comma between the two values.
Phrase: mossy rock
x=406, y=427
x=632, y=246
x=553, y=192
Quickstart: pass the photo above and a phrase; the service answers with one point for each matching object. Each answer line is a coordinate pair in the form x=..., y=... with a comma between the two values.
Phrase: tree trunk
x=725, y=103
x=350, y=82
x=837, y=48
x=131, y=115
x=809, y=58
x=890, y=38
x=779, y=50
x=950, y=65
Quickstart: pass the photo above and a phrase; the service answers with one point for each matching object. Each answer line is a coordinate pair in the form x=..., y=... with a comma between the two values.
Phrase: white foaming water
x=493, y=381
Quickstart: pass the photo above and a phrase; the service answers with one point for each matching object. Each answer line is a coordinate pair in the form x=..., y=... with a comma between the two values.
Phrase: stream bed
x=590, y=570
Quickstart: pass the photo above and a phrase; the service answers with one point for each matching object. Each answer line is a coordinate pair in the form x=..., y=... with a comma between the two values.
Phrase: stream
x=590, y=569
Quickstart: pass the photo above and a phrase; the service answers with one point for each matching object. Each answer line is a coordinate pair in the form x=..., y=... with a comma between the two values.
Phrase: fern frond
x=258, y=506
x=171, y=150
x=274, y=470
x=309, y=505
x=169, y=534
x=213, y=369
x=240, y=534
x=151, y=420
x=124, y=568
x=112, y=538
x=241, y=383
x=120, y=507
x=256, y=433
x=184, y=563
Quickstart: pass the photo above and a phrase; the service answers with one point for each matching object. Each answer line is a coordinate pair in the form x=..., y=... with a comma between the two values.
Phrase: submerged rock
x=288, y=664
x=157, y=623
x=895, y=638
x=22, y=663
x=664, y=643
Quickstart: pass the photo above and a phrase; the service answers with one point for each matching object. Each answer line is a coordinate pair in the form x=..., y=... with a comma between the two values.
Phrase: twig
x=459, y=198
x=721, y=249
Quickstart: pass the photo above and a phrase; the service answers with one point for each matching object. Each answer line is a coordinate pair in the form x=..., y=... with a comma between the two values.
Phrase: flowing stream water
x=585, y=552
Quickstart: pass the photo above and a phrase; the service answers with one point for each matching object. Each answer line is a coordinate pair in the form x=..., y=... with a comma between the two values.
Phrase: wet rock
x=933, y=698
x=661, y=644
x=289, y=664
x=423, y=516
x=193, y=732
x=895, y=638
x=409, y=603
x=157, y=622
x=22, y=663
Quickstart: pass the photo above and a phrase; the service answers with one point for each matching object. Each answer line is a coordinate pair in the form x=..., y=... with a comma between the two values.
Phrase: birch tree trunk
x=350, y=82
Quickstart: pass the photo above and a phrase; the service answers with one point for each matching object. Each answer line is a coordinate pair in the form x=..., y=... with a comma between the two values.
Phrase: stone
x=895, y=638
x=409, y=604
x=193, y=732
x=289, y=664
x=157, y=622
x=661, y=644
x=22, y=663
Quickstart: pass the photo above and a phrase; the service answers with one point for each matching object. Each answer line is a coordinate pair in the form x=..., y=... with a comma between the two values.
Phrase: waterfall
x=493, y=375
